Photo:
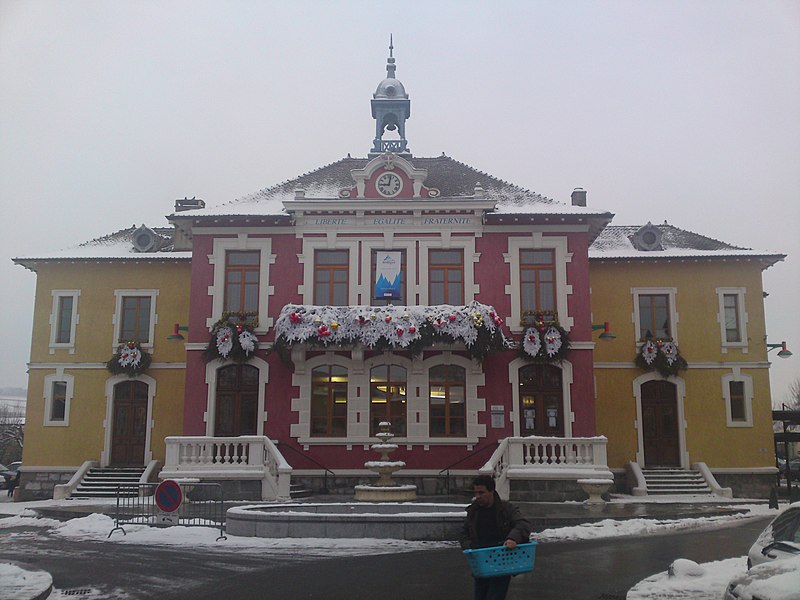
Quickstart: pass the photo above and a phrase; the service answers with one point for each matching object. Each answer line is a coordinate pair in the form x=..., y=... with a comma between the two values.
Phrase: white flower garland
x=532, y=342
x=552, y=341
x=649, y=352
x=224, y=341
x=398, y=325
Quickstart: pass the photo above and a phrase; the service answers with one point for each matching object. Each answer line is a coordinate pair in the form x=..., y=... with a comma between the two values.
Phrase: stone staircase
x=297, y=490
x=103, y=483
x=666, y=481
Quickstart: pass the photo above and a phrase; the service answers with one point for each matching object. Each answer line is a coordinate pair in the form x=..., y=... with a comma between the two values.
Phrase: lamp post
x=784, y=352
x=176, y=336
x=606, y=335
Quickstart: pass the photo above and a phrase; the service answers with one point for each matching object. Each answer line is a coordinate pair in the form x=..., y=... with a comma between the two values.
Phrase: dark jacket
x=510, y=523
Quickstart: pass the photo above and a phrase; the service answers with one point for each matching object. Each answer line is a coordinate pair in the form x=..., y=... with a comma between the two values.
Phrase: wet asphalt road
x=587, y=570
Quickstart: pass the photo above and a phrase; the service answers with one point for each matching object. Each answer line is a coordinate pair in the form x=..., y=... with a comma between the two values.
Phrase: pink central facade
x=311, y=249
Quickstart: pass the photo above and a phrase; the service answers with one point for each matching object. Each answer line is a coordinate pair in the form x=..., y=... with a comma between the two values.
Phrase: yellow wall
x=708, y=437
x=83, y=438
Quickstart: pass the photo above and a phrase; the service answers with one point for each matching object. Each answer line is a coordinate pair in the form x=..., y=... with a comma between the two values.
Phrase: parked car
x=781, y=538
x=778, y=580
x=9, y=472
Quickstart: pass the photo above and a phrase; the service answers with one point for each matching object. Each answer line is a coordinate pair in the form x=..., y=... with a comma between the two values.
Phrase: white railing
x=537, y=457
x=221, y=458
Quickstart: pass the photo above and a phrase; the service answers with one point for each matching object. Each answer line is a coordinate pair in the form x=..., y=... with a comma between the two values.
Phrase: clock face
x=389, y=185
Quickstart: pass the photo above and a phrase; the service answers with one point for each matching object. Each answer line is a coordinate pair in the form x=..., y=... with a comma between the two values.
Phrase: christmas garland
x=130, y=359
x=232, y=337
x=544, y=340
x=412, y=328
x=662, y=356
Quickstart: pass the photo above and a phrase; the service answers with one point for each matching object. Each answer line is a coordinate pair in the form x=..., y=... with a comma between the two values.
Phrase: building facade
x=464, y=310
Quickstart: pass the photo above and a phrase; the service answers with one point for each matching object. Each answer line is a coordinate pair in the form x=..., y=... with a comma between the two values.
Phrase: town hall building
x=261, y=342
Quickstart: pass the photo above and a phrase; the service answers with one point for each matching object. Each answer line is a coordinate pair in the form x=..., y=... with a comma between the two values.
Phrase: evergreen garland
x=233, y=337
x=661, y=355
x=130, y=359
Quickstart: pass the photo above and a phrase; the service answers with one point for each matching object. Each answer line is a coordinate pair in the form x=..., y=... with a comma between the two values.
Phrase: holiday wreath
x=233, y=337
x=660, y=355
x=477, y=326
x=129, y=358
x=544, y=340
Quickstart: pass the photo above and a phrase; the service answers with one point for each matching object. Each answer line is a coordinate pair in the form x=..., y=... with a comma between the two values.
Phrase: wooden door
x=129, y=429
x=660, y=424
x=541, y=402
x=237, y=401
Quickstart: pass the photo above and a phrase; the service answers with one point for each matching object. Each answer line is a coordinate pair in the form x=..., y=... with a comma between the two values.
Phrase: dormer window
x=647, y=238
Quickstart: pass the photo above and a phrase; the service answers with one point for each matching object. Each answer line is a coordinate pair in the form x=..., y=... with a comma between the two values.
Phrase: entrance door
x=129, y=428
x=660, y=424
x=541, y=405
x=237, y=401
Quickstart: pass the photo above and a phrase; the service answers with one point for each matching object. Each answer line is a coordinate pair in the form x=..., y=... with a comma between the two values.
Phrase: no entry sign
x=168, y=496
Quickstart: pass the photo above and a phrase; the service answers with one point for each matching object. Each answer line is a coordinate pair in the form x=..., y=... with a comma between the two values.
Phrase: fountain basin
x=402, y=521
x=385, y=493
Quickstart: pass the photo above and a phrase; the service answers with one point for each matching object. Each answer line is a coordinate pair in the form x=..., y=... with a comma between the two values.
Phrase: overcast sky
x=687, y=111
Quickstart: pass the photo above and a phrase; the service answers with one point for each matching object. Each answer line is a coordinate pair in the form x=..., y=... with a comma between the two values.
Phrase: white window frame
x=217, y=290
x=117, y=319
x=49, y=380
x=54, y=313
x=739, y=292
x=672, y=293
x=308, y=258
x=358, y=402
x=448, y=242
x=748, y=398
x=537, y=241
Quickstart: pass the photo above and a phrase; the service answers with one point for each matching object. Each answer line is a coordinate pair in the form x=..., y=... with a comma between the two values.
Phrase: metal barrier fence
x=199, y=505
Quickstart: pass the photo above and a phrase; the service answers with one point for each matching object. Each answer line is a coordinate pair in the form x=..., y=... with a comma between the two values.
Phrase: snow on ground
x=638, y=527
x=684, y=585
x=708, y=586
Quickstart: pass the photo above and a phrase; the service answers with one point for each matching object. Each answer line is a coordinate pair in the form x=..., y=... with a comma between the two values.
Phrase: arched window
x=329, y=401
x=448, y=396
x=236, y=401
x=541, y=401
x=387, y=398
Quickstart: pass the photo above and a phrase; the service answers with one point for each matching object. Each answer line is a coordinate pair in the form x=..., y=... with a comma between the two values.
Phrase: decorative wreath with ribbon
x=130, y=359
x=660, y=355
x=233, y=337
x=544, y=340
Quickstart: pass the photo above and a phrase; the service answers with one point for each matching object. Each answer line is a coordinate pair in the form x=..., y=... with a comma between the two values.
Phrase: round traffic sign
x=168, y=496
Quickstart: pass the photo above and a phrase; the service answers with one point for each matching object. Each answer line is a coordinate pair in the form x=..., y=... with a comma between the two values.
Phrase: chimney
x=188, y=204
x=578, y=197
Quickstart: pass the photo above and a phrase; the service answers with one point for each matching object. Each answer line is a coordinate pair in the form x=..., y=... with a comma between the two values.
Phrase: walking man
x=491, y=521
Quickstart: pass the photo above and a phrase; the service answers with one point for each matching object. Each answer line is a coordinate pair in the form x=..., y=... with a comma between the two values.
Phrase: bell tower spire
x=390, y=109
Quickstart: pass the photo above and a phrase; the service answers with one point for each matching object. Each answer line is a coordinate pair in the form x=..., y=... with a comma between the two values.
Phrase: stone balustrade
x=229, y=458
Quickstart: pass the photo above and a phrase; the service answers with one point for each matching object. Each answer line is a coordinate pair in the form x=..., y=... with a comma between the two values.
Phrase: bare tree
x=12, y=435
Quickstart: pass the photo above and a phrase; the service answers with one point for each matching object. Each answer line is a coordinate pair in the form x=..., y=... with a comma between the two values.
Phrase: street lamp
x=784, y=352
x=606, y=335
x=176, y=333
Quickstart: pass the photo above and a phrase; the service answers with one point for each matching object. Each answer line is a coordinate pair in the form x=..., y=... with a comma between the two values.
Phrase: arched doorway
x=660, y=435
x=541, y=396
x=129, y=428
x=236, y=401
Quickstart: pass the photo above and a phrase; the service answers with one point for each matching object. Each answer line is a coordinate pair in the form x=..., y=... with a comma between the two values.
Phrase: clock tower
x=390, y=109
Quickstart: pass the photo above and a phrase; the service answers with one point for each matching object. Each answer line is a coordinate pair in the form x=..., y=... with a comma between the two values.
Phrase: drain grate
x=78, y=592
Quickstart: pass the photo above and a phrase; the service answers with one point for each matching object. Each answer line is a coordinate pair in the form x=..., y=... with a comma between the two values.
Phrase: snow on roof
x=115, y=246
x=616, y=241
x=452, y=178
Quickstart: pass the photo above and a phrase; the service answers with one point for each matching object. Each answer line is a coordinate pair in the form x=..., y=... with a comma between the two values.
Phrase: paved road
x=593, y=570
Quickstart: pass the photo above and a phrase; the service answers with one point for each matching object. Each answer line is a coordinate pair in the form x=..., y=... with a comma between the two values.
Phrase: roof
x=616, y=241
x=452, y=178
x=115, y=246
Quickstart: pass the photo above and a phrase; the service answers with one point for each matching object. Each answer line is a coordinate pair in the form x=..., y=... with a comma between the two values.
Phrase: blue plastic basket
x=499, y=560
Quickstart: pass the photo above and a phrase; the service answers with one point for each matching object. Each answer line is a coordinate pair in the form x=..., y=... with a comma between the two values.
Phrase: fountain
x=385, y=489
